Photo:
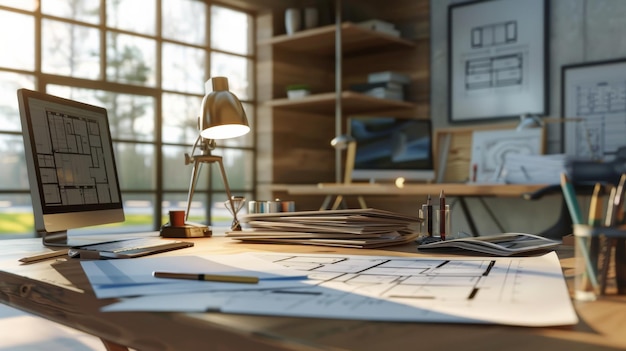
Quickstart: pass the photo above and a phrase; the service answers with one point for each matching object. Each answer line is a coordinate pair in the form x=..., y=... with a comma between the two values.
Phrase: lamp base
x=186, y=231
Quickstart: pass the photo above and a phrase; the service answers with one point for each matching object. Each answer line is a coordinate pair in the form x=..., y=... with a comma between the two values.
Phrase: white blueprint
x=527, y=291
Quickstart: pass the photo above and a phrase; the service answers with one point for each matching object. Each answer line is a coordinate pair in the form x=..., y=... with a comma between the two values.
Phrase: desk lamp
x=221, y=117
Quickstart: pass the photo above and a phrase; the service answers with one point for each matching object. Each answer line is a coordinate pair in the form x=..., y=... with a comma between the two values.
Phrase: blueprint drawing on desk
x=526, y=291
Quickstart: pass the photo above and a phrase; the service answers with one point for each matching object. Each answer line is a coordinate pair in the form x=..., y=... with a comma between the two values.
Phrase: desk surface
x=450, y=189
x=59, y=291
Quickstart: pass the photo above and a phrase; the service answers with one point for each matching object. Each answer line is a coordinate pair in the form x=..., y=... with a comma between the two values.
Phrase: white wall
x=579, y=31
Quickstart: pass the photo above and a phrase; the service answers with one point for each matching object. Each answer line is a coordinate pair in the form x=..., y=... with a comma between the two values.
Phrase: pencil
x=620, y=242
x=574, y=209
x=595, y=220
x=570, y=198
x=43, y=256
x=607, y=245
x=208, y=277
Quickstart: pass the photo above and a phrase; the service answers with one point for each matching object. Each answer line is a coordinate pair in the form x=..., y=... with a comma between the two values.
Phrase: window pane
x=183, y=68
x=9, y=113
x=130, y=116
x=16, y=215
x=180, y=118
x=12, y=163
x=230, y=30
x=135, y=166
x=21, y=4
x=79, y=10
x=237, y=69
x=131, y=59
x=239, y=166
x=139, y=212
x=132, y=15
x=185, y=21
x=22, y=52
x=177, y=175
x=70, y=50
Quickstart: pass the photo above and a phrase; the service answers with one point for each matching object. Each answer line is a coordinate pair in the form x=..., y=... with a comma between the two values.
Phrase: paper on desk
x=133, y=277
x=524, y=291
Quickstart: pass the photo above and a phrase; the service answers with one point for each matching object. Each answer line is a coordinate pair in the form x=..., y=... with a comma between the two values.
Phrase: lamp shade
x=222, y=115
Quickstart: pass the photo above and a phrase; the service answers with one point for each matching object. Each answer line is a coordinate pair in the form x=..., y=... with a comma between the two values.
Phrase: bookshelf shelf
x=321, y=41
x=351, y=101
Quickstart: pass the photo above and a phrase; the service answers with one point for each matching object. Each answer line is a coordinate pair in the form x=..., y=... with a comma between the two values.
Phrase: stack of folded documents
x=359, y=228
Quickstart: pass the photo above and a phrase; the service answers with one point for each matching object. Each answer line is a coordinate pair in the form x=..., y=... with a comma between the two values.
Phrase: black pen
x=429, y=215
x=442, y=215
x=208, y=277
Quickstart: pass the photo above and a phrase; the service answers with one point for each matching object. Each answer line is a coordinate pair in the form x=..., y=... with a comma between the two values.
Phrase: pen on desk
x=605, y=250
x=429, y=215
x=208, y=277
x=442, y=215
x=43, y=256
x=620, y=242
x=569, y=194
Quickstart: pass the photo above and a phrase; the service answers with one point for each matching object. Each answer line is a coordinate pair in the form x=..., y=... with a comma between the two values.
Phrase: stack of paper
x=360, y=228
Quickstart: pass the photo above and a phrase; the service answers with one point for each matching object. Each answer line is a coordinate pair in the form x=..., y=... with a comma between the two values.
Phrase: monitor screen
x=388, y=148
x=70, y=163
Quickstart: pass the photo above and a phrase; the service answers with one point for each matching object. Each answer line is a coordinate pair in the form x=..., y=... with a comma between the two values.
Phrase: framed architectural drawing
x=490, y=149
x=497, y=54
x=596, y=93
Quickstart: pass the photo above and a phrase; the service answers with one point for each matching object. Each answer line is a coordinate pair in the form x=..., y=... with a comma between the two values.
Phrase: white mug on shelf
x=293, y=21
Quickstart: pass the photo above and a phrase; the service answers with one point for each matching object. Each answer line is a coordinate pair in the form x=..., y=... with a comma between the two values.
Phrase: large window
x=146, y=61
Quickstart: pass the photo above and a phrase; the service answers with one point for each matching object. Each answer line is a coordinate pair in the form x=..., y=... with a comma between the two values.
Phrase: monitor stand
x=55, y=239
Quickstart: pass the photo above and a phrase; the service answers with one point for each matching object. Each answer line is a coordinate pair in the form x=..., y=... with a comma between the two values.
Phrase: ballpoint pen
x=442, y=215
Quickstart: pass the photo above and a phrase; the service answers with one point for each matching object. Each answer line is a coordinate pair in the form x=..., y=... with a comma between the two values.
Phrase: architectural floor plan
x=528, y=291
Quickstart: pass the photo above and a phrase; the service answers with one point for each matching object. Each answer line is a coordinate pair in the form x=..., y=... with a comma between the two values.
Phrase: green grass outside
x=23, y=223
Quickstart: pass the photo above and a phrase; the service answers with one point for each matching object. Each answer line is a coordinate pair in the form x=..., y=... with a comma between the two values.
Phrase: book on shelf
x=380, y=26
x=362, y=87
x=358, y=228
x=382, y=90
x=388, y=76
x=383, y=93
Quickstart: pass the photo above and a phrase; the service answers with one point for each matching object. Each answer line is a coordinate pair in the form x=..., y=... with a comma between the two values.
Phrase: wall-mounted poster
x=596, y=93
x=497, y=59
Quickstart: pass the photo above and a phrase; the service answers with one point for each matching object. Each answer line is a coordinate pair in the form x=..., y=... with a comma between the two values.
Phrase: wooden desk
x=457, y=190
x=59, y=291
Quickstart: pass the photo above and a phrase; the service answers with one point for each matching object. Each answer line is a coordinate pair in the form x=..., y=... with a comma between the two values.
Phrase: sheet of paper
x=525, y=291
x=133, y=277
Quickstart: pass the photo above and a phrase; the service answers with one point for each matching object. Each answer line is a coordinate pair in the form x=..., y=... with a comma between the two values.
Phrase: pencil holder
x=600, y=261
x=435, y=222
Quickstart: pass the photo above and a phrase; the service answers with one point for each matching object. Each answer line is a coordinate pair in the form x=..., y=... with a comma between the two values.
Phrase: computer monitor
x=388, y=148
x=70, y=163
